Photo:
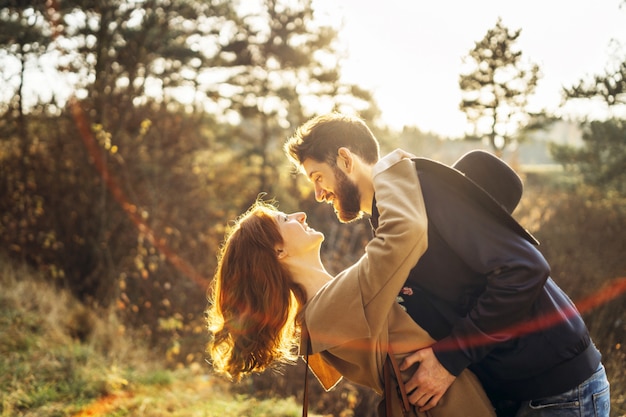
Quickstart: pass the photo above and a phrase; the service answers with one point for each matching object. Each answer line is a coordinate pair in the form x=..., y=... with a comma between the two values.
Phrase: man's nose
x=320, y=194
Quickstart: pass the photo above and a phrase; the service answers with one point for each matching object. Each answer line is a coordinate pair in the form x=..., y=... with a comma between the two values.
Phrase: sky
x=409, y=52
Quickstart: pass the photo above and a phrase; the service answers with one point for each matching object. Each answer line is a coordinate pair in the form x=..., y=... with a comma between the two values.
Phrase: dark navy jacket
x=484, y=292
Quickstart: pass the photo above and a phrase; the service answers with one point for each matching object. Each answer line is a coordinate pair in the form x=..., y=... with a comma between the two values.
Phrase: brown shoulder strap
x=391, y=362
x=388, y=392
x=305, y=395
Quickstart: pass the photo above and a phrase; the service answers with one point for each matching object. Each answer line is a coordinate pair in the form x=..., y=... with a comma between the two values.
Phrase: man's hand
x=430, y=381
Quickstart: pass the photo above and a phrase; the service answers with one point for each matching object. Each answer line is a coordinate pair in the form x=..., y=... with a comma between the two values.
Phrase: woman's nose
x=301, y=216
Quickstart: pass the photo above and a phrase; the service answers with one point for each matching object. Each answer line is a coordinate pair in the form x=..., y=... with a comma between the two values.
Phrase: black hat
x=486, y=178
x=494, y=176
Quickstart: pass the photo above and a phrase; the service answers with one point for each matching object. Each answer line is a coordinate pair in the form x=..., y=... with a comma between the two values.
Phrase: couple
x=477, y=285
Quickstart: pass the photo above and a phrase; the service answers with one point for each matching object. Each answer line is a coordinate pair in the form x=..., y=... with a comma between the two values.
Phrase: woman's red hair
x=253, y=301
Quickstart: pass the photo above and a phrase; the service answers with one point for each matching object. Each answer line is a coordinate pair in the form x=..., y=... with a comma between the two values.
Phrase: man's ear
x=345, y=159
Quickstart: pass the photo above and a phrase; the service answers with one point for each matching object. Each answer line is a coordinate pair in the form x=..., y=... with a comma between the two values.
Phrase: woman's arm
x=357, y=302
x=401, y=235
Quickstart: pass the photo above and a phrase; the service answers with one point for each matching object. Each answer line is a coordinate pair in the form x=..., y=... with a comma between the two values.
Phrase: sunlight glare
x=409, y=54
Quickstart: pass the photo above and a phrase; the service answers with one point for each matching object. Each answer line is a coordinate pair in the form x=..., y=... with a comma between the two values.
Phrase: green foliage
x=25, y=38
x=128, y=51
x=602, y=159
x=156, y=377
x=280, y=63
x=497, y=85
x=610, y=87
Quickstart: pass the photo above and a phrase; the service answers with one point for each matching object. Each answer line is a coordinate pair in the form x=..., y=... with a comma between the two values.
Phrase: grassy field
x=47, y=370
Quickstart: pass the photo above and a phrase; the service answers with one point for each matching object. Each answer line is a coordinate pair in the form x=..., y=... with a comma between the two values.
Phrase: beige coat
x=354, y=317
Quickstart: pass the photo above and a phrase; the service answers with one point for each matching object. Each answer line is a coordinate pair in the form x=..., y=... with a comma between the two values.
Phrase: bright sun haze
x=409, y=53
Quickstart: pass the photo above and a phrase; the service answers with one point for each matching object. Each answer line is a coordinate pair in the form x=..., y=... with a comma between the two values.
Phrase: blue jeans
x=590, y=399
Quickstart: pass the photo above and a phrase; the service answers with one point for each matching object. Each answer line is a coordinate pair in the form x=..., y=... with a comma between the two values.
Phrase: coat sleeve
x=359, y=299
x=401, y=238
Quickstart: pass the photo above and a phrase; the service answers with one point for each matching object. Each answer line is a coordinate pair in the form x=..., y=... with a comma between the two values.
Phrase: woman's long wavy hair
x=253, y=301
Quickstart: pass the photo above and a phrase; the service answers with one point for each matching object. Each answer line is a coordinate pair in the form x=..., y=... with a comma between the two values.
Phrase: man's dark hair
x=321, y=137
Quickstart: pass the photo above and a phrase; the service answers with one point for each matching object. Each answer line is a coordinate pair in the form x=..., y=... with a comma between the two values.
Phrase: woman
x=270, y=283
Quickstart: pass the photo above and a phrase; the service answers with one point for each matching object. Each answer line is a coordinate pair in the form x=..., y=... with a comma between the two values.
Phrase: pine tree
x=602, y=158
x=280, y=60
x=497, y=86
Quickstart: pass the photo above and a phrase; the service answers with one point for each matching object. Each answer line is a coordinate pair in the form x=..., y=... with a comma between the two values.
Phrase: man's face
x=334, y=187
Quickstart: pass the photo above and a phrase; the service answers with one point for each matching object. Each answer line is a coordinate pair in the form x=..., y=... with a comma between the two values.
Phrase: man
x=482, y=289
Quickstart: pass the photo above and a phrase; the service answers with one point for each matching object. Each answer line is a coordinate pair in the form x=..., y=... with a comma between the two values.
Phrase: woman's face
x=297, y=236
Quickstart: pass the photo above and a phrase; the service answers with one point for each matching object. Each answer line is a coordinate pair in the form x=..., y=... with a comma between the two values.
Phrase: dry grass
x=59, y=358
x=582, y=235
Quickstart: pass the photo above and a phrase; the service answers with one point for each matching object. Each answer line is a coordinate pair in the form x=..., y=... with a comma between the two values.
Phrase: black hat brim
x=471, y=189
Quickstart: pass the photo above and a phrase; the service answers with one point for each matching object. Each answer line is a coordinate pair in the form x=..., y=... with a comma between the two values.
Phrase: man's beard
x=347, y=201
